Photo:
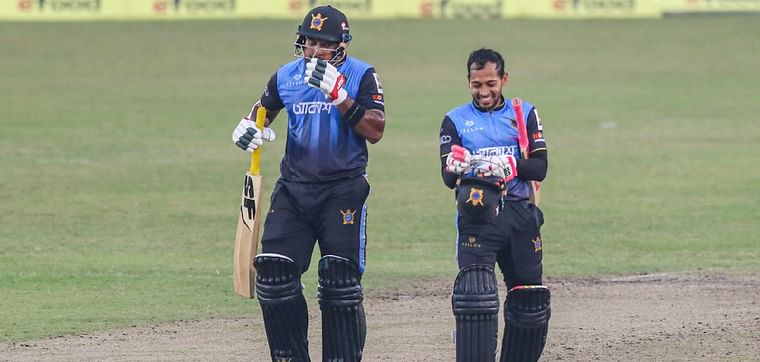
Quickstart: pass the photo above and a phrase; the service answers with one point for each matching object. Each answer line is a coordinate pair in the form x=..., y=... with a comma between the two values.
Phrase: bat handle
x=261, y=114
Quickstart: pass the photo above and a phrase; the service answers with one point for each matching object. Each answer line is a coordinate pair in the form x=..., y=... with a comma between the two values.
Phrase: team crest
x=348, y=216
x=317, y=21
x=537, y=244
x=476, y=197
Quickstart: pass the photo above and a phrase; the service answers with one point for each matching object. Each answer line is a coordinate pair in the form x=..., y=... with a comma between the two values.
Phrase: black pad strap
x=526, y=313
x=286, y=318
x=475, y=302
x=340, y=296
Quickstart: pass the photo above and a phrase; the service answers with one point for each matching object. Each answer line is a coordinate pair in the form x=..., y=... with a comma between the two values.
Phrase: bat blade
x=249, y=219
x=247, y=236
x=522, y=140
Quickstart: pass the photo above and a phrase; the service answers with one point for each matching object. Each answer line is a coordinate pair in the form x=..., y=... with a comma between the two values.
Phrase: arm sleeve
x=449, y=137
x=371, y=91
x=535, y=167
x=271, y=98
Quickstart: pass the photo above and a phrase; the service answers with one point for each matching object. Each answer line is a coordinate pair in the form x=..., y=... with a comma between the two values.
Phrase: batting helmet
x=328, y=24
x=479, y=198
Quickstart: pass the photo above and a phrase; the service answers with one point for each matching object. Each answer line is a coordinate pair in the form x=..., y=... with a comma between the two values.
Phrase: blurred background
x=119, y=184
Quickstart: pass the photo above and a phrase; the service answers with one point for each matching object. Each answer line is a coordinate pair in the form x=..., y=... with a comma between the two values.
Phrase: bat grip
x=261, y=114
x=522, y=132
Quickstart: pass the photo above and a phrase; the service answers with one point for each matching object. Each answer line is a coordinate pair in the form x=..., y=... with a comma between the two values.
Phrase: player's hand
x=458, y=160
x=248, y=137
x=325, y=77
x=504, y=167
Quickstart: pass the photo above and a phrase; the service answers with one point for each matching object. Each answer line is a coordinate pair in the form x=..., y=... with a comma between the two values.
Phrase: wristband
x=354, y=114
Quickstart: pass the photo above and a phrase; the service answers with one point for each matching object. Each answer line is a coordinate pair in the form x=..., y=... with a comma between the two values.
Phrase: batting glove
x=504, y=167
x=458, y=160
x=248, y=137
x=325, y=77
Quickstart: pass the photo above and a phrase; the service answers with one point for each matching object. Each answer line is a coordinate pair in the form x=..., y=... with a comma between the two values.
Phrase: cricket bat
x=522, y=131
x=247, y=235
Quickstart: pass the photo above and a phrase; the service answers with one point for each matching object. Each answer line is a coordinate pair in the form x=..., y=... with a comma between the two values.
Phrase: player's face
x=315, y=48
x=485, y=86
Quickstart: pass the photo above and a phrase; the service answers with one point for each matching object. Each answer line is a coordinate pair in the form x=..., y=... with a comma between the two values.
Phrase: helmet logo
x=317, y=22
x=476, y=197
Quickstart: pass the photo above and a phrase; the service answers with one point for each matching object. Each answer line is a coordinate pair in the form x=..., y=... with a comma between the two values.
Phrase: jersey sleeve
x=535, y=167
x=536, y=141
x=371, y=91
x=448, y=137
x=271, y=98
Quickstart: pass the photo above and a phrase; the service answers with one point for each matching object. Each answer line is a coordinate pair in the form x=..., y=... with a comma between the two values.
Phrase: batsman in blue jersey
x=496, y=223
x=335, y=105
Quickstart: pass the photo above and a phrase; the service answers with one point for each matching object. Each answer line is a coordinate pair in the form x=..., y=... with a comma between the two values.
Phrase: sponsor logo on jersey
x=297, y=81
x=497, y=151
x=445, y=139
x=379, y=99
x=312, y=107
x=470, y=127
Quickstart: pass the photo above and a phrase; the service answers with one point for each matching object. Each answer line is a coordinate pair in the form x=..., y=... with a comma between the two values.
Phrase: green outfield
x=120, y=184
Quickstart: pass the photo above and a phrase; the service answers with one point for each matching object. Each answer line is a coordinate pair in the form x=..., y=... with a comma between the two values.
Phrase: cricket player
x=334, y=105
x=480, y=160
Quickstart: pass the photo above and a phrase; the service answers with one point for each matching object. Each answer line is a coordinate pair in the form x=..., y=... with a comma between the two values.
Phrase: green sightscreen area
x=120, y=184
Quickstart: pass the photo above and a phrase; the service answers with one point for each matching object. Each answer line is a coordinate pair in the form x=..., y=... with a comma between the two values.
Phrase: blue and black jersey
x=320, y=146
x=491, y=133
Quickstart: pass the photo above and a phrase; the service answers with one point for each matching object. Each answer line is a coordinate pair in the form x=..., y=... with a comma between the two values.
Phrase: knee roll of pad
x=526, y=314
x=286, y=318
x=278, y=280
x=340, y=297
x=475, y=303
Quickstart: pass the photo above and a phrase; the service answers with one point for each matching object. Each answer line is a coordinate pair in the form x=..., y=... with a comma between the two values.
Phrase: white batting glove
x=325, y=77
x=248, y=137
x=458, y=160
x=504, y=167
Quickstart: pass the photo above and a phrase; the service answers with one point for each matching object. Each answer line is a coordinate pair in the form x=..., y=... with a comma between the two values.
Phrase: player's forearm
x=369, y=123
x=449, y=179
x=533, y=168
x=271, y=113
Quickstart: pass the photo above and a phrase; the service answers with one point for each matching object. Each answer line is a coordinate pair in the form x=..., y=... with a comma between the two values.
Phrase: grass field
x=120, y=185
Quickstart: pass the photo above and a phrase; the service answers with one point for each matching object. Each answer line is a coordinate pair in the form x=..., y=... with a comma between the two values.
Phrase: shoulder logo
x=317, y=21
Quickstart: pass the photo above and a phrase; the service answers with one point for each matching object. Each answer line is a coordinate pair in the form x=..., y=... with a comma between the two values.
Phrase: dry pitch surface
x=661, y=317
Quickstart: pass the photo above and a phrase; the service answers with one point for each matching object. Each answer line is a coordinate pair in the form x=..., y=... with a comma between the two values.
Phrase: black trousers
x=512, y=239
x=334, y=214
